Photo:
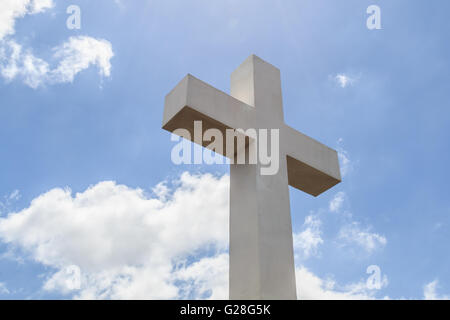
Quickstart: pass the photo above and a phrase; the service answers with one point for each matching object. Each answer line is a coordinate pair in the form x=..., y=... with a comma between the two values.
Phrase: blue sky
x=94, y=115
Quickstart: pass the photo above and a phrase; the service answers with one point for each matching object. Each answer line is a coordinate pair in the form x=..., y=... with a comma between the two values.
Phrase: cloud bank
x=126, y=244
x=129, y=244
x=69, y=59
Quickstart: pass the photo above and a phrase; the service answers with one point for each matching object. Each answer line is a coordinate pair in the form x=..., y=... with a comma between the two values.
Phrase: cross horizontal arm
x=312, y=166
x=210, y=102
x=194, y=100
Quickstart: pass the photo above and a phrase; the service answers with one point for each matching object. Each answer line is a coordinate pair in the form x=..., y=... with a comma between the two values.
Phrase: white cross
x=261, y=245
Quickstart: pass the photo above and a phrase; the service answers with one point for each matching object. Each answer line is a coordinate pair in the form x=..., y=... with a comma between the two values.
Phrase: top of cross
x=255, y=101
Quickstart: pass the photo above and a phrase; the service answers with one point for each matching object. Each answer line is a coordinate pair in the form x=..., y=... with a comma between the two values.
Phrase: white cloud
x=74, y=56
x=430, y=292
x=353, y=234
x=337, y=202
x=207, y=278
x=38, y=6
x=311, y=287
x=126, y=244
x=306, y=242
x=14, y=62
x=3, y=288
x=15, y=195
x=78, y=54
x=10, y=10
x=344, y=80
x=346, y=164
x=8, y=201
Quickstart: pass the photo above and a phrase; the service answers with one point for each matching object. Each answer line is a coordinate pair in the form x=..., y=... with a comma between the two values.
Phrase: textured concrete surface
x=261, y=244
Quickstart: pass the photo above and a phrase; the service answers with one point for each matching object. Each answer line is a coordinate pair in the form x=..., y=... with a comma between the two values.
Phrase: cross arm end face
x=312, y=167
x=309, y=179
x=175, y=100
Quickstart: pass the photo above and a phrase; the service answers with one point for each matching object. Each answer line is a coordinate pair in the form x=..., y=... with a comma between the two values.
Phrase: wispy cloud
x=430, y=292
x=344, y=80
x=354, y=233
x=346, y=165
x=312, y=287
x=73, y=56
x=8, y=200
x=336, y=203
x=307, y=241
x=3, y=288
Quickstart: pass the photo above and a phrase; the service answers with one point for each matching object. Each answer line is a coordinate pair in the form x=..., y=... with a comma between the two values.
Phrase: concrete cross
x=261, y=244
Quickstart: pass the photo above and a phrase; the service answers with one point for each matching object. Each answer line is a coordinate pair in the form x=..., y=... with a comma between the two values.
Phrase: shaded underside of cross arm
x=194, y=100
x=312, y=166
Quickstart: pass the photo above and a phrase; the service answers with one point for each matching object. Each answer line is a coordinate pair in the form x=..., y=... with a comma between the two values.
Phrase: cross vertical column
x=261, y=244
